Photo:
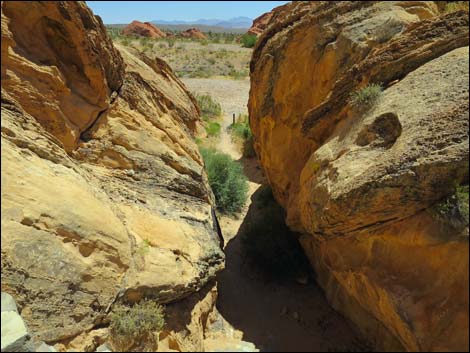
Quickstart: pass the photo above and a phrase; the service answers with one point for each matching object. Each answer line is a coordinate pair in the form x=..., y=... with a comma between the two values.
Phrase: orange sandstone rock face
x=104, y=196
x=260, y=23
x=362, y=184
x=143, y=29
x=193, y=33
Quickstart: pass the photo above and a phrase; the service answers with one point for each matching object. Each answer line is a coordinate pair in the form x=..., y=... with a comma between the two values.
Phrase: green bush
x=213, y=128
x=241, y=130
x=209, y=107
x=453, y=210
x=366, y=96
x=248, y=40
x=226, y=179
x=136, y=326
x=269, y=244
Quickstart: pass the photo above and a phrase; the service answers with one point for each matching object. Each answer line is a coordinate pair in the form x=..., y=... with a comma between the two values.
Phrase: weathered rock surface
x=193, y=33
x=104, y=196
x=359, y=184
x=143, y=29
x=15, y=336
x=260, y=23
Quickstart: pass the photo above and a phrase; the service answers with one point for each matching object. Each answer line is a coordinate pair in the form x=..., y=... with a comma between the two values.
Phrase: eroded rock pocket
x=383, y=132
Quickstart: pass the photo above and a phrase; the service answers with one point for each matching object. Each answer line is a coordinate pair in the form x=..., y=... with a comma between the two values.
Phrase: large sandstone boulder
x=143, y=29
x=104, y=196
x=362, y=184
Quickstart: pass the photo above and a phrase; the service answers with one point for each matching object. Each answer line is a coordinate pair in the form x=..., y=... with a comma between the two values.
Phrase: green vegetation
x=209, y=108
x=454, y=209
x=202, y=72
x=136, y=325
x=226, y=179
x=365, y=97
x=456, y=6
x=268, y=242
x=213, y=128
x=241, y=128
x=238, y=75
x=114, y=32
x=241, y=132
x=143, y=247
x=248, y=40
x=221, y=53
x=170, y=42
x=221, y=37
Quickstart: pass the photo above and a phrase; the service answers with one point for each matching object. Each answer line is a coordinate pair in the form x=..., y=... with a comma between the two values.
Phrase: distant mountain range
x=236, y=22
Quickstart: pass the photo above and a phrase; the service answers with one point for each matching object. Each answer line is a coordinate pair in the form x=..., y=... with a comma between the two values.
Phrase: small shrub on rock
x=454, y=209
x=365, y=97
x=136, y=327
x=226, y=179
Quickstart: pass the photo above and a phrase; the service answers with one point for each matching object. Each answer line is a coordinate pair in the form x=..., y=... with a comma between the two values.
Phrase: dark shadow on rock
x=178, y=314
x=252, y=169
x=277, y=315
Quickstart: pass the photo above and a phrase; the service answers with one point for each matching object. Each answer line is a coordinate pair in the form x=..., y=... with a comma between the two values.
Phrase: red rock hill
x=143, y=29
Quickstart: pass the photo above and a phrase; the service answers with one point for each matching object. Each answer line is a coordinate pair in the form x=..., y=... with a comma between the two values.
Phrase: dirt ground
x=232, y=96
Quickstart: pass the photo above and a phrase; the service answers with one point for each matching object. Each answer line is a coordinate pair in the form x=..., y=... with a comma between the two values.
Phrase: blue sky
x=126, y=11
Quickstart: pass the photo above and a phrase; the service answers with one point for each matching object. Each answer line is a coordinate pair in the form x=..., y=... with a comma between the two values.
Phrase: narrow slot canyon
x=275, y=310
x=293, y=181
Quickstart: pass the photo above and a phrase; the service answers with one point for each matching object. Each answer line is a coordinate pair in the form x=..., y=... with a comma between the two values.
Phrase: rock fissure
x=86, y=134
